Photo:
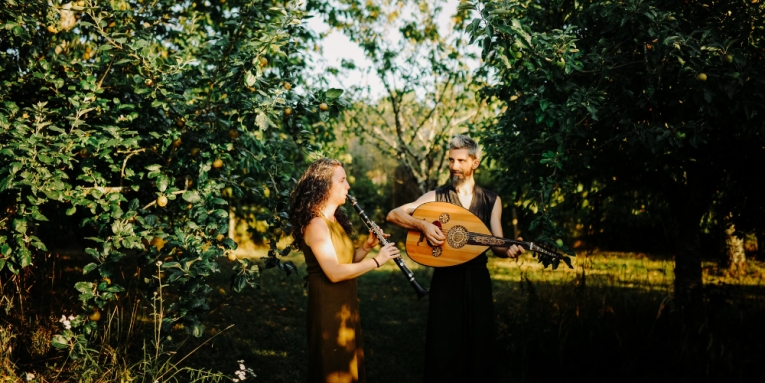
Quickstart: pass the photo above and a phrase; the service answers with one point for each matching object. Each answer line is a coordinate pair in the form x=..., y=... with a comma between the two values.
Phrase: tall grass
x=129, y=346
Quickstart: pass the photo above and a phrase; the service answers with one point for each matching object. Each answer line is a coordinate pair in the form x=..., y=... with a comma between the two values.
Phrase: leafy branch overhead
x=122, y=124
x=428, y=93
x=646, y=107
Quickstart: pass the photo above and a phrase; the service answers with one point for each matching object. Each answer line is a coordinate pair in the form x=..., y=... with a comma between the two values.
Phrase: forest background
x=149, y=148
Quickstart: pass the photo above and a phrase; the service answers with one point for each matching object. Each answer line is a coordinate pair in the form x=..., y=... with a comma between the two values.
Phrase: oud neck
x=490, y=240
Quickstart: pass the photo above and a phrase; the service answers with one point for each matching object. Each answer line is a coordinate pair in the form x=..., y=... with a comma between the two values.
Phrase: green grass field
x=608, y=319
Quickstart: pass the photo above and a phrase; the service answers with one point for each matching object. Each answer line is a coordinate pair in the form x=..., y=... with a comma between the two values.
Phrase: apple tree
x=650, y=107
x=121, y=122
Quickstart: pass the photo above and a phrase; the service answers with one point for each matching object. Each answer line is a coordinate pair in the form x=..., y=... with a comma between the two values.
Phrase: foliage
x=122, y=123
x=428, y=92
x=646, y=104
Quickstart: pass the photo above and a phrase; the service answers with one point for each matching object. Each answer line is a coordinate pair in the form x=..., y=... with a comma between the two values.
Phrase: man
x=460, y=339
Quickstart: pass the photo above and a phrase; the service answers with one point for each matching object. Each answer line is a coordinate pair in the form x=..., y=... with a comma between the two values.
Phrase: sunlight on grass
x=547, y=320
x=270, y=353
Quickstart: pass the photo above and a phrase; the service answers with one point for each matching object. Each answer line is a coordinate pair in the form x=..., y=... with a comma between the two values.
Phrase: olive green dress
x=335, y=352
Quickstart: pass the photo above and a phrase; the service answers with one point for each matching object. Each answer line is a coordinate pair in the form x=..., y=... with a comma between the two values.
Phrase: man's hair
x=462, y=141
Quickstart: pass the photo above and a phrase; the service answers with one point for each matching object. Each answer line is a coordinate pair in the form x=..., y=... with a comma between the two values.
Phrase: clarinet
x=421, y=292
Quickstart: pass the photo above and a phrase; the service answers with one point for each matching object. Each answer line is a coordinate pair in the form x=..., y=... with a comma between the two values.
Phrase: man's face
x=461, y=165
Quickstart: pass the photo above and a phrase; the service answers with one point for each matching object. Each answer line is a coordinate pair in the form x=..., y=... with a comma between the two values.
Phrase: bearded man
x=460, y=343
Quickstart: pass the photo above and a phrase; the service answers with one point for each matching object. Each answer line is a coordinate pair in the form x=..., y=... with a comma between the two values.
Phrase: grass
x=611, y=318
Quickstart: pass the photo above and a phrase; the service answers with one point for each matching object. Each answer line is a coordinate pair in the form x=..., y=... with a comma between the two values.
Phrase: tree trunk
x=688, y=281
x=405, y=186
x=735, y=250
x=516, y=230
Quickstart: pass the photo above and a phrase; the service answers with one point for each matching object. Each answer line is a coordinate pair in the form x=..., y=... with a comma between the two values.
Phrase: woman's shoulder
x=316, y=231
x=317, y=226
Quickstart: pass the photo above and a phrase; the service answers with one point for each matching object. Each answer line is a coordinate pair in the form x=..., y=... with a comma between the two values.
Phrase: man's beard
x=458, y=178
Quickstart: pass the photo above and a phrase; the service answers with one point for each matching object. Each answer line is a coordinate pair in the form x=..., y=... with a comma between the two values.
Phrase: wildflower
x=242, y=372
x=66, y=322
x=29, y=376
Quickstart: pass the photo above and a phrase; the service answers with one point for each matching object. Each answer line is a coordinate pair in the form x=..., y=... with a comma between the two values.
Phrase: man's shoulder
x=488, y=193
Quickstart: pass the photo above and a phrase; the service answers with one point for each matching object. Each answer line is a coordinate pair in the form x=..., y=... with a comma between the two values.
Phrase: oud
x=466, y=237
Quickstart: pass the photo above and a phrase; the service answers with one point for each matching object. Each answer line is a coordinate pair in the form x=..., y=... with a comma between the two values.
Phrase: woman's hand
x=371, y=241
x=387, y=253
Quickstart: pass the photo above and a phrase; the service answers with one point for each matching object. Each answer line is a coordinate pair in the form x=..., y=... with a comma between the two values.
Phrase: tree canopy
x=123, y=121
x=646, y=104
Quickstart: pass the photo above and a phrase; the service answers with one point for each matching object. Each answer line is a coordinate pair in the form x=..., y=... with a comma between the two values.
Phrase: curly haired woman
x=320, y=229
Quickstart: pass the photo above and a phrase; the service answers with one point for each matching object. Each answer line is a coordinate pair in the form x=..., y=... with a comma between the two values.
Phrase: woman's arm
x=365, y=248
x=317, y=237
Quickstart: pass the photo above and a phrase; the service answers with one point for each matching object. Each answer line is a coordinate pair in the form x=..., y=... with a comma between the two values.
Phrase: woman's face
x=338, y=192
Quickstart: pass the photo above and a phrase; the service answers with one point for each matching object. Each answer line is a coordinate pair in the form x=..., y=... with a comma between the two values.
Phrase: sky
x=336, y=47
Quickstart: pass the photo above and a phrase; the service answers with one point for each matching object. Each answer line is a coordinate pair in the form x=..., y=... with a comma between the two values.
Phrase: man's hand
x=514, y=251
x=432, y=233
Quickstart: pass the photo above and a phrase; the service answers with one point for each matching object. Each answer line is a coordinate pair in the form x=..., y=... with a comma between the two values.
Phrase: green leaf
x=25, y=258
x=20, y=225
x=250, y=79
x=84, y=287
x=466, y=5
x=59, y=341
x=334, y=93
x=229, y=244
x=191, y=196
x=89, y=267
x=197, y=330
x=162, y=183
x=238, y=283
x=6, y=183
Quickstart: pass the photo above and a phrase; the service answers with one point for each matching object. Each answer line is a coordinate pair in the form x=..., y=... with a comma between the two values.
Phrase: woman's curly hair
x=309, y=197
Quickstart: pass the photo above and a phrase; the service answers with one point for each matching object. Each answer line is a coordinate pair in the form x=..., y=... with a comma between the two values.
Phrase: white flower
x=29, y=376
x=65, y=321
x=159, y=263
x=241, y=367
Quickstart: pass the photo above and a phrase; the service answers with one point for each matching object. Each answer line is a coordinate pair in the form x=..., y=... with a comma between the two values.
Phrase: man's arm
x=402, y=216
x=496, y=230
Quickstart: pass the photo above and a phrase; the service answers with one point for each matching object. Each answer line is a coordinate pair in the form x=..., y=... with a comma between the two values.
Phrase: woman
x=319, y=229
